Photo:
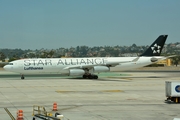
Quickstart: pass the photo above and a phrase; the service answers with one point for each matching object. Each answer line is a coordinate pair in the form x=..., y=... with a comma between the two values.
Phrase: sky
x=52, y=24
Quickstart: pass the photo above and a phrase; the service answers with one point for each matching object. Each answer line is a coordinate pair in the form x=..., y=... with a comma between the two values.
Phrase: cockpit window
x=10, y=63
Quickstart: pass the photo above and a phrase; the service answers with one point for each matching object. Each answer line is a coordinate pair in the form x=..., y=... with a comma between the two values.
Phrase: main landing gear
x=90, y=76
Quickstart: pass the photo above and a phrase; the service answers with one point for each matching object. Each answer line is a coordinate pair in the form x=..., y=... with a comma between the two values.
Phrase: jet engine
x=101, y=69
x=74, y=72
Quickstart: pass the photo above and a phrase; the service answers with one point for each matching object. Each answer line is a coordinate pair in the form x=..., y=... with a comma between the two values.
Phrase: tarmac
x=133, y=95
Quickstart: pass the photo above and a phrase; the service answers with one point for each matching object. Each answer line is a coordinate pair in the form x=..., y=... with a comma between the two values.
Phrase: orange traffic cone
x=55, y=106
x=20, y=115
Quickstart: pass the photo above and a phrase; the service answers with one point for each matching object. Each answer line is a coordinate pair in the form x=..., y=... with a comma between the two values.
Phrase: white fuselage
x=62, y=65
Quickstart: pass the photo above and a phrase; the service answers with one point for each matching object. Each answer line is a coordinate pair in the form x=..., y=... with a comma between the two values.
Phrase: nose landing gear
x=22, y=77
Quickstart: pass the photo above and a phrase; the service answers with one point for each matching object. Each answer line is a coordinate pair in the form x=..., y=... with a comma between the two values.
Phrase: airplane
x=86, y=67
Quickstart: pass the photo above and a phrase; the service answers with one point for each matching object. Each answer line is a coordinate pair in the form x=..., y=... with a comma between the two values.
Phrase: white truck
x=173, y=91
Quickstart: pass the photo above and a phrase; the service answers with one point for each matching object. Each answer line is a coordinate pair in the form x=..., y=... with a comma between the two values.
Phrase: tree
x=2, y=56
x=51, y=53
x=134, y=45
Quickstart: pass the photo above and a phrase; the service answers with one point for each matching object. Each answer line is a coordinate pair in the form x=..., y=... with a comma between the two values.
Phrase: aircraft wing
x=110, y=64
x=171, y=56
x=157, y=58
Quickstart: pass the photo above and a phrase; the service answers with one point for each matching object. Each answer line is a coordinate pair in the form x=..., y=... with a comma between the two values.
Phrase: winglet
x=156, y=47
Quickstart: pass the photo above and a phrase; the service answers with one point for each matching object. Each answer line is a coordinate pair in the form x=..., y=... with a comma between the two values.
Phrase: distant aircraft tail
x=157, y=46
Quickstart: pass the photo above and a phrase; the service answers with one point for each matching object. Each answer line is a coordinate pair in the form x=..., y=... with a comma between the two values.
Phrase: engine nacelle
x=154, y=59
x=74, y=72
x=101, y=69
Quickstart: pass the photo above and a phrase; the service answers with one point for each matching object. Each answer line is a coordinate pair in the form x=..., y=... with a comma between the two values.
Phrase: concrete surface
x=114, y=96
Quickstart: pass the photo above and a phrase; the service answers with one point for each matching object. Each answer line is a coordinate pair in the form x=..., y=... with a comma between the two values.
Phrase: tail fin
x=157, y=46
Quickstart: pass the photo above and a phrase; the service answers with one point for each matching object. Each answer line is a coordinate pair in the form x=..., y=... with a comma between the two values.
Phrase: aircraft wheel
x=95, y=77
x=90, y=76
x=22, y=77
x=84, y=76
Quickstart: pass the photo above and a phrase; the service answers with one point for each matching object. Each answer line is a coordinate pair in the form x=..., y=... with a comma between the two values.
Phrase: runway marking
x=112, y=91
x=9, y=113
x=120, y=78
x=83, y=85
x=66, y=91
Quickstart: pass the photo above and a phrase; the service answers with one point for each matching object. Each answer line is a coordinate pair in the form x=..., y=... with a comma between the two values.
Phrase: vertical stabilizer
x=157, y=46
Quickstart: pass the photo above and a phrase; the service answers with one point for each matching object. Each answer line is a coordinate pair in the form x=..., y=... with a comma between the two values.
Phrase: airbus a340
x=86, y=67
